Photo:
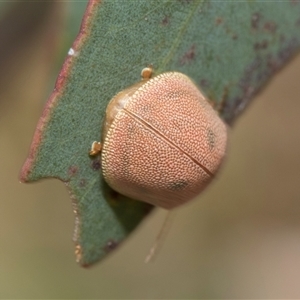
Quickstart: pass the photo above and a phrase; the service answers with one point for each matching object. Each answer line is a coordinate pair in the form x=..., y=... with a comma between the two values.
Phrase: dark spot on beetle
x=270, y=27
x=82, y=182
x=177, y=96
x=73, y=170
x=255, y=19
x=165, y=21
x=177, y=185
x=219, y=20
x=96, y=164
x=211, y=138
x=188, y=56
x=111, y=245
x=261, y=45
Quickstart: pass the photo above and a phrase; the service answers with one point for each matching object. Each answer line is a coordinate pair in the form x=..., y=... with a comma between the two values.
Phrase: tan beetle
x=162, y=142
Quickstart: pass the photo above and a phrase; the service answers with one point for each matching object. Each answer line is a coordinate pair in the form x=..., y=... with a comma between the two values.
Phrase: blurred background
x=240, y=239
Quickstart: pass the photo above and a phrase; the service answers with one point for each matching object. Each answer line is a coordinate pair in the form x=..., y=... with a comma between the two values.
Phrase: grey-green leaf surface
x=229, y=48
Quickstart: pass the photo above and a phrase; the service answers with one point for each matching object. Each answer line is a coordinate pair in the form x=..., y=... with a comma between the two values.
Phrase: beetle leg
x=95, y=148
x=147, y=72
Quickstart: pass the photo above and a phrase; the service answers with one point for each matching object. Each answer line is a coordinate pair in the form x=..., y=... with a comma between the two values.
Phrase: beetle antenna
x=165, y=229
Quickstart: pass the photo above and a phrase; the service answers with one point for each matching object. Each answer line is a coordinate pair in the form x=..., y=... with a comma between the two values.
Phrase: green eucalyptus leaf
x=229, y=48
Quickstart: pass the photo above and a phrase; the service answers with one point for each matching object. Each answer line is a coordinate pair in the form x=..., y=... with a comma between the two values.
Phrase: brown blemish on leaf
x=219, y=21
x=110, y=246
x=82, y=182
x=261, y=45
x=204, y=83
x=228, y=30
x=234, y=36
x=272, y=64
x=188, y=56
x=165, y=21
x=270, y=27
x=96, y=164
x=73, y=170
x=255, y=19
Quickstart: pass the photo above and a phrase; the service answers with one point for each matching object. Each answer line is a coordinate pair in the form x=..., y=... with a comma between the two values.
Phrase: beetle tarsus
x=95, y=148
x=147, y=72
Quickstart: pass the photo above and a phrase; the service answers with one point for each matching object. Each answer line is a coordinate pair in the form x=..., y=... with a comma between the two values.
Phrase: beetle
x=162, y=141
